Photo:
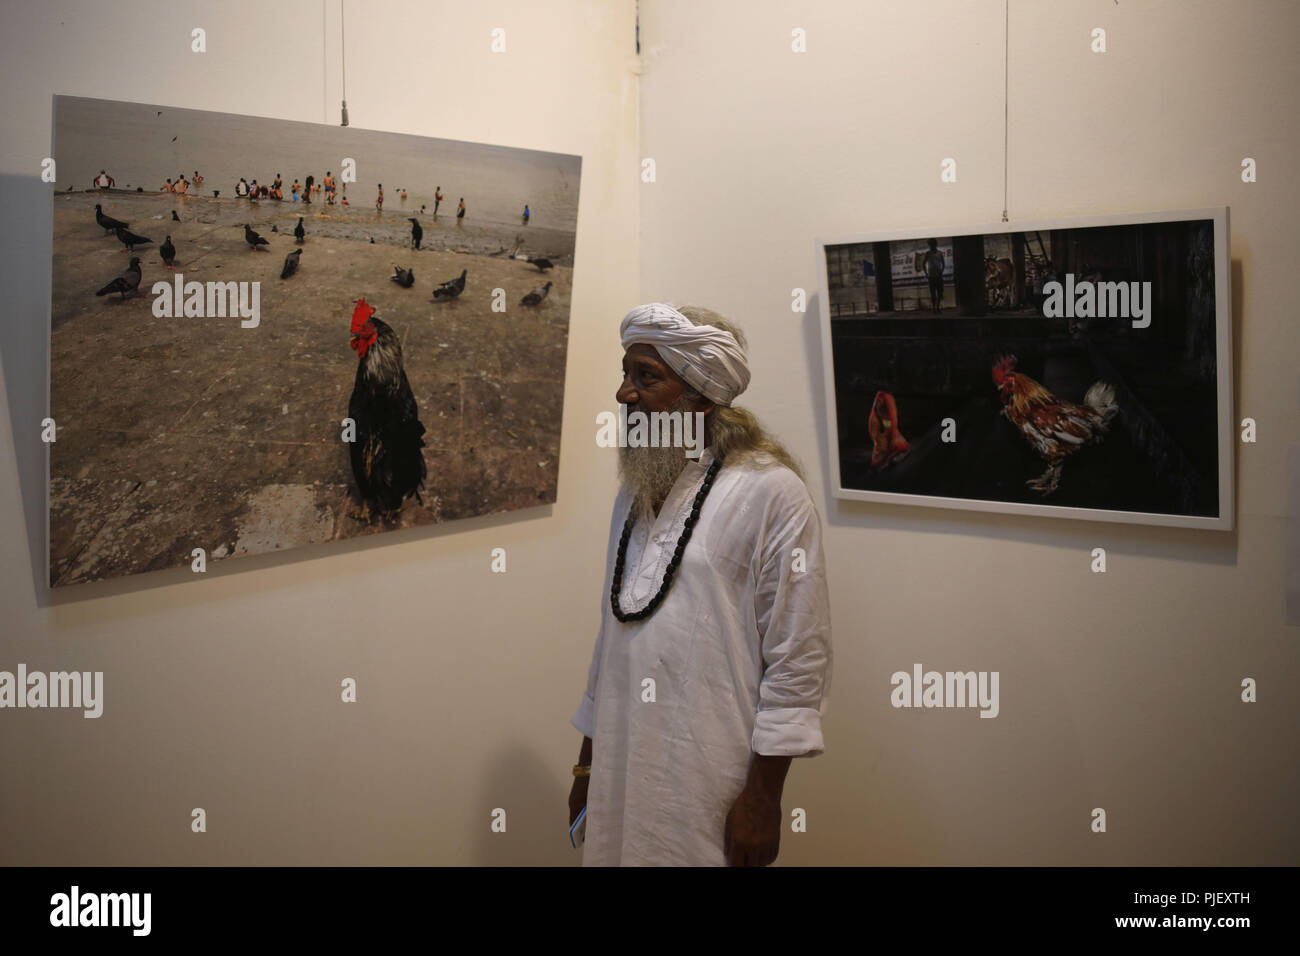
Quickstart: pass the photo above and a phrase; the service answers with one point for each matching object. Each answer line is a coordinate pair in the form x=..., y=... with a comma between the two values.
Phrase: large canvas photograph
x=1074, y=368
x=268, y=334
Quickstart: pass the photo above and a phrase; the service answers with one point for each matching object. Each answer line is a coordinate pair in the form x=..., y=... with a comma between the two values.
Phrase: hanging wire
x=1006, y=108
x=324, y=93
x=343, y=60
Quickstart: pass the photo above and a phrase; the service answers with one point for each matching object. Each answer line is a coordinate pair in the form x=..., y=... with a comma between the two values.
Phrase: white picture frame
x=1221, y=517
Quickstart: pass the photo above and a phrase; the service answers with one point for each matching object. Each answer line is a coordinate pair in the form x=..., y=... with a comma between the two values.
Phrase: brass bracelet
x=579, y=770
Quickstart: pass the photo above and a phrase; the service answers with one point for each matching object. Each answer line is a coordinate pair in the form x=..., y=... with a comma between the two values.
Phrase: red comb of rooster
x=1002, y=366
x=361, y=315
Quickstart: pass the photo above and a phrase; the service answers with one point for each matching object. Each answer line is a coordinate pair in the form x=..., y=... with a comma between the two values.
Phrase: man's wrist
x=767, y=776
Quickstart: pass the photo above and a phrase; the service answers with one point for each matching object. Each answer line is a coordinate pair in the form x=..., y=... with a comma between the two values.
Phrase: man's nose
x=626, y=394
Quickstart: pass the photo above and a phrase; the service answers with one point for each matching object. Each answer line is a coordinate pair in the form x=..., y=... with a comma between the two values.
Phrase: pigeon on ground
x=403, y=277
x=130, y=240
x=451, y=289
x=252, y=238
x=108, y=222
x=128, y=281
x=536, y=296
x=541, y=263
x=299, y=232
x=168, y=252
x=175, y=218
x=372, y=240
x=290, y=264
x=274, y=228
x=417, y=233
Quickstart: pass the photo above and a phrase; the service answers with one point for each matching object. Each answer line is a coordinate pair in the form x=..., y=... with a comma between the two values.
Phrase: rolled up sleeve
x=792, y=609
x=585, y=716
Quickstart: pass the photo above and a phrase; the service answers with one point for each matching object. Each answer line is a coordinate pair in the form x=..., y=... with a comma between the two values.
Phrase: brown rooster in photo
x=887, y=443
x=1056, y=428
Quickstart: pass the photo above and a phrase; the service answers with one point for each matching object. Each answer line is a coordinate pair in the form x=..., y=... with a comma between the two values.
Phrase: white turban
x=708, y=359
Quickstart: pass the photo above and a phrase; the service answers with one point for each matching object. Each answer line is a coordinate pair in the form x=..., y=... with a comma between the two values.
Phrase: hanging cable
x=343, y=59
x=1006, y=99
x=324, y=66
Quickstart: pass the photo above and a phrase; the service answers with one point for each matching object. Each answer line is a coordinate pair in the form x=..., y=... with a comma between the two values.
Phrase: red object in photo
x=887, y=443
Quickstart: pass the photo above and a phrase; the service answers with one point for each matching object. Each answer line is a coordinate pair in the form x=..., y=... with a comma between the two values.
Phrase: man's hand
x=578, y=792
x=577, y=797
x=752, y=835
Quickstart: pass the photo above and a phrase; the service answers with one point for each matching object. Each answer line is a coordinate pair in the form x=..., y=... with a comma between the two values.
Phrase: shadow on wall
x=25, y=331
x=536, y=818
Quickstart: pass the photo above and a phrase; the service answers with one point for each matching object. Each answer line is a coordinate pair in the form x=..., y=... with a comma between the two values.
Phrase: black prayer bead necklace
x=687, y=528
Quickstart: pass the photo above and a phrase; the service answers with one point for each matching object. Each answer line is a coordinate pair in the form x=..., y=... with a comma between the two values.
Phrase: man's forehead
x=642, y=353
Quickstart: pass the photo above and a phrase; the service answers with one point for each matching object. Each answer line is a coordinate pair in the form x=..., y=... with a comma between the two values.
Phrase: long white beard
x=652, y=472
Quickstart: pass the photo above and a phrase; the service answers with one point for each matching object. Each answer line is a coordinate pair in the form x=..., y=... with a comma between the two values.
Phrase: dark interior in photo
x=1157, y=451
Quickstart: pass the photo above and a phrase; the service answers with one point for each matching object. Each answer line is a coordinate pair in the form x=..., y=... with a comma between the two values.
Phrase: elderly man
x=712, y=665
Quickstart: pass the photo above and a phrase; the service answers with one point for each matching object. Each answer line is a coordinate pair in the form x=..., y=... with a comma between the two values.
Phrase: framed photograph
x=269, y=334
x=1076, y=368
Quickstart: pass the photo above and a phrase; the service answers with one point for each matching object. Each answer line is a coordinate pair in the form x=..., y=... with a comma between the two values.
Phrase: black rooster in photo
x=387, y=460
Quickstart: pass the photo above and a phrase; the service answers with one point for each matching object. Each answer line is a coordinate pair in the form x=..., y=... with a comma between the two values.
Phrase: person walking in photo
x=934, y=273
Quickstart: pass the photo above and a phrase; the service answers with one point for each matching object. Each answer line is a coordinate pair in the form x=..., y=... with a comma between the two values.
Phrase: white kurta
x=739, y=652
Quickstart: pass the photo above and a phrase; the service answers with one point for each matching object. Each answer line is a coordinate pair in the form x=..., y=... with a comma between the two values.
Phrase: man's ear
x=701, y=403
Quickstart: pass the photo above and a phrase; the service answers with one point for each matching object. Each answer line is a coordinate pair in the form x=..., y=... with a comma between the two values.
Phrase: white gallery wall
x=223, y=690
x=1118, y=690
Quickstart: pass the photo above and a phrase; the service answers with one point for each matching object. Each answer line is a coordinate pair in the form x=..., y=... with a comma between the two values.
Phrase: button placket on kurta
x=651, y=546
